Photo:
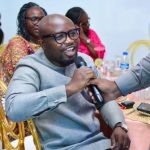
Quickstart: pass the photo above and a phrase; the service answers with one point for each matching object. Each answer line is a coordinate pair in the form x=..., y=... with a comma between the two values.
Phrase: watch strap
x=122, y=125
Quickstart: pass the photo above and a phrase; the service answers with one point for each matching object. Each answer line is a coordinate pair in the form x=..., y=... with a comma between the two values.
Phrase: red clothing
x=99, y=47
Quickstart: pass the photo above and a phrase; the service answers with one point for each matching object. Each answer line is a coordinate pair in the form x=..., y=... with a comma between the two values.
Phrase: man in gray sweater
x=48, y=88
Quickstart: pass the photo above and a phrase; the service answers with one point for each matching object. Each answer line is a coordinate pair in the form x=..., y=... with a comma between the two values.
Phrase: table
x=139, y=132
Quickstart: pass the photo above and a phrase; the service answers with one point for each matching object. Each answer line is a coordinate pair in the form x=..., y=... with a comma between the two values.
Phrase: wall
x=117, y=22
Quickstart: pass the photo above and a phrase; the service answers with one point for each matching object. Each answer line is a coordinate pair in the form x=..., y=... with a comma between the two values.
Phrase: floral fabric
x=99, y=47
x=17, y=48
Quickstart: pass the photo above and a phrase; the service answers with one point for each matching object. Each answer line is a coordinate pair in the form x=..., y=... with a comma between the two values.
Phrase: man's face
x=60, y=49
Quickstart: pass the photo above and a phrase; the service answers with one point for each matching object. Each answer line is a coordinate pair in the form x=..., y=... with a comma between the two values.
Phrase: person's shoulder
x=91, y=30
x=32, y=58
x=17, y=38
x=87, y=58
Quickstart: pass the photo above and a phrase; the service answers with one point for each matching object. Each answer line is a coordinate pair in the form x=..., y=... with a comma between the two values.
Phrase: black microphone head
x=80, y=62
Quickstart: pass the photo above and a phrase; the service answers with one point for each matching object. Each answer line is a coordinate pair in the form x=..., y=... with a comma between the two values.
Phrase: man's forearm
x=135, y=79
x=33, y=104
x=116, y=92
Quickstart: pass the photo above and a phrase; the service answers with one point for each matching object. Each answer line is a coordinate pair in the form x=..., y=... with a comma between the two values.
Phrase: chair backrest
x=134, y=48
x=7, y=127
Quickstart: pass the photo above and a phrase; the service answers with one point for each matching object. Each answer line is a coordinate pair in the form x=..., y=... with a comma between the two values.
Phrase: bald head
x=52, y=23
x=60, y=39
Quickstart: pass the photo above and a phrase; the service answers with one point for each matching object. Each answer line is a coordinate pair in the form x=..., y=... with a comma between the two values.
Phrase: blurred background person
x=1, y=33
x=90, y=43
x=1, y=45
x=27, y=40
x=1, y=36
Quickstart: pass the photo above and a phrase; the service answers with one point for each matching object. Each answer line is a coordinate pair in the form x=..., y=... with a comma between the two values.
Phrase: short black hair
x=21, y=30
x=75, y=13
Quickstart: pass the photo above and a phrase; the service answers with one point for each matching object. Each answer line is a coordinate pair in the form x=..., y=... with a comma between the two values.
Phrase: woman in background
x=1, y=36
x=90, y=43
x=27, y=40
x=1, y=47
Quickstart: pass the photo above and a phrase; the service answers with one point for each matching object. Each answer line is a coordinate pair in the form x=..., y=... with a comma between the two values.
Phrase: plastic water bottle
x=124, y=65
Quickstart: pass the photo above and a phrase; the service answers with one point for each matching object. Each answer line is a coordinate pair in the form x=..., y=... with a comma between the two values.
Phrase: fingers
x=126, y=143
x=113, y=142
x=94, y=81
x=87, y=73
x=81, y=78
x=101, y=83
x=120, y=140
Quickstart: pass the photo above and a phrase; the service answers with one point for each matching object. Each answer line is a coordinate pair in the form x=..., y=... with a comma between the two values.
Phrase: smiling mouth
x=70, y=51
x=37, y=30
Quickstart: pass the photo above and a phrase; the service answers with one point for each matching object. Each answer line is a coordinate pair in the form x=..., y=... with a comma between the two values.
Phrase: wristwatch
x=122, y=125
x=88, y=41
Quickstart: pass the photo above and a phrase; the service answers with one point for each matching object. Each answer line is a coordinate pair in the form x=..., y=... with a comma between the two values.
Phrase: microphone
x=93, y=88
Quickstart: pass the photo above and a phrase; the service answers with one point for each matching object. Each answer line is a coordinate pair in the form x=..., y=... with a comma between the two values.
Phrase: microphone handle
x=93, y=88
x=97, y=95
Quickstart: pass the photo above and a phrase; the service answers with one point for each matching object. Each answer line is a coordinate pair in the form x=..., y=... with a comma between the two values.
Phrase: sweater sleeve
x=27, y=101
x=135, y=79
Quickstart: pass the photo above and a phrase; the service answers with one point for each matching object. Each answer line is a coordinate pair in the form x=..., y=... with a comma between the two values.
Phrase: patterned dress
x=16, y=49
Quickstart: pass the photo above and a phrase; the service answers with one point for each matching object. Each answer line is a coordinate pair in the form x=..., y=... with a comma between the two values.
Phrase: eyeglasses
x=34, y=19
x=62, y=36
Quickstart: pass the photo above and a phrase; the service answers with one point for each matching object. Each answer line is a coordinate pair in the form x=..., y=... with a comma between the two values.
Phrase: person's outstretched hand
x=109, y=88
x=120, y=139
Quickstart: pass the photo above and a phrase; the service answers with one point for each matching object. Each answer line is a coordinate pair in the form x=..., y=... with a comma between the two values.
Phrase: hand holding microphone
x=93, y=88
x=80, y=80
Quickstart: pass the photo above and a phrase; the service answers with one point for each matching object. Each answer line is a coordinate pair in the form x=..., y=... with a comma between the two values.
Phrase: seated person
x=1, y=33
x=1, y=49
x=52, y=92
x=1, y=36
x=26, y=42
x=90, y=43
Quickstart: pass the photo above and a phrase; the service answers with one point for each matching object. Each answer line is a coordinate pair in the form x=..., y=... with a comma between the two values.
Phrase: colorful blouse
x=99, y=47
x=17, y=48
